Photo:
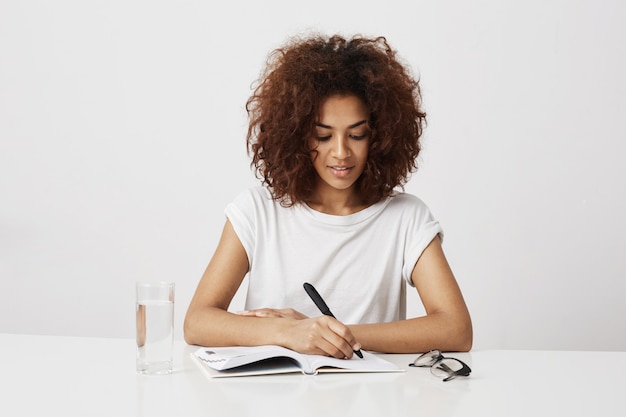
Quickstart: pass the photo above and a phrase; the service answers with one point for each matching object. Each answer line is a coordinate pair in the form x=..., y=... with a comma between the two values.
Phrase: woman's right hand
x=323, y=335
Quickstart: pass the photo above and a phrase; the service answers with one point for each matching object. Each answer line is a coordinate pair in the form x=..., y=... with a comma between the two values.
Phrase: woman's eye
x=322, y=138
x=359, y=137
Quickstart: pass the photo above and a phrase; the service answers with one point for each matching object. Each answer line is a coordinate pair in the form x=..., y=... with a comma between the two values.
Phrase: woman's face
x=340, y=142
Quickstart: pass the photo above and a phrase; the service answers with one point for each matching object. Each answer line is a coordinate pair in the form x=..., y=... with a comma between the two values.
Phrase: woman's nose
x=341, y=148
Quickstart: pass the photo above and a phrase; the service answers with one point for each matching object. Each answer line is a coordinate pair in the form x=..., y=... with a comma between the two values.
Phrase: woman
x=334, y=133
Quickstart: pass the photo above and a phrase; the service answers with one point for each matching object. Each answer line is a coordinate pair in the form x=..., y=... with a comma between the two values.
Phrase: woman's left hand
x=288, y=313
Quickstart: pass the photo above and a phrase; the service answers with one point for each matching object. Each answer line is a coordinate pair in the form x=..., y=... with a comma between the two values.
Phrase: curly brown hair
x=298, y=77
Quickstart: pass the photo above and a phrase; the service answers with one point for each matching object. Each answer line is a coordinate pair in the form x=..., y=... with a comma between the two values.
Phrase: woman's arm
x=447, y=325
x=208, y=323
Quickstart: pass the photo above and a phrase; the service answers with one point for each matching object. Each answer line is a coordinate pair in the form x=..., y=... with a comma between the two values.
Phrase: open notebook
x=260, y=360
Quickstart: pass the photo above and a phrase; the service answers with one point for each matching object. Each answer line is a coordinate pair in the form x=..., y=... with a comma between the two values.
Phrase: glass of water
x=155, y=327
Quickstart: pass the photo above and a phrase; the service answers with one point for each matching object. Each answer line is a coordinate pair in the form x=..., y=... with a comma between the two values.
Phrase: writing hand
x=323, y=335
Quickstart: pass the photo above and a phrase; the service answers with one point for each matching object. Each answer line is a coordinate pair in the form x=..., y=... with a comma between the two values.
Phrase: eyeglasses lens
x=428, y=358
x=446, y=367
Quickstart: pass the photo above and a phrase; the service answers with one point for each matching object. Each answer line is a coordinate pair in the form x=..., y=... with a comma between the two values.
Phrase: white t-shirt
x=359, y=263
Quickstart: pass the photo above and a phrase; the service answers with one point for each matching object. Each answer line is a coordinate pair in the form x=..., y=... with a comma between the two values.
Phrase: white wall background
x=122, y=130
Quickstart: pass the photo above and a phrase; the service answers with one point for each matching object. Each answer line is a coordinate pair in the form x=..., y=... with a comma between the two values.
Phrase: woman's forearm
x=435, y=331
x=212, y=326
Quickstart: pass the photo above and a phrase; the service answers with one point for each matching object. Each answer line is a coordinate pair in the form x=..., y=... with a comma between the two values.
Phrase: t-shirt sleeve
x=241, y=214
x=422, y=228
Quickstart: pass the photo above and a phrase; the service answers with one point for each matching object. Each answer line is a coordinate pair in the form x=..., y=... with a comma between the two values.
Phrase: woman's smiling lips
x=340, y=171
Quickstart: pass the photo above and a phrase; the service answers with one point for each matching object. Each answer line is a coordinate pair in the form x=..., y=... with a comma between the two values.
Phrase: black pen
x=319, y=302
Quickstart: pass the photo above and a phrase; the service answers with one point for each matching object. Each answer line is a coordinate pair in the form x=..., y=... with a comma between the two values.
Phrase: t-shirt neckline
x=348, y=219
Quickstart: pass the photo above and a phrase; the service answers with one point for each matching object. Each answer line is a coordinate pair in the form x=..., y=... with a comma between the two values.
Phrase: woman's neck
x=336, y=202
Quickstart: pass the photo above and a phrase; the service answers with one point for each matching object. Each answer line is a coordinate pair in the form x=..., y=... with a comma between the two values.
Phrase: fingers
x=264, y=312
x=289, y=313
x=327, y=336
x=343, y=338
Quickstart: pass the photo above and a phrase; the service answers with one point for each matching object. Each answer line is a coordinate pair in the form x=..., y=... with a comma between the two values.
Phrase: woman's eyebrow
x=352, y=126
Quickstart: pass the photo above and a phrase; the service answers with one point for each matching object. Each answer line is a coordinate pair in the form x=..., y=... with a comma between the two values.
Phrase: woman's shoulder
x=253, y=192
x=256, y=191
x=406, y=205
x=254, y=196
x=404, y=199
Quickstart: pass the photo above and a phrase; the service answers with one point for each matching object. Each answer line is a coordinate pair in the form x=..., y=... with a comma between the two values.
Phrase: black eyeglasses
x=442, y=367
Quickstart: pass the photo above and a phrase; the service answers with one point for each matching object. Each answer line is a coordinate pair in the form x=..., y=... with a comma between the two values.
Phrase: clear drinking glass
x=155, y=327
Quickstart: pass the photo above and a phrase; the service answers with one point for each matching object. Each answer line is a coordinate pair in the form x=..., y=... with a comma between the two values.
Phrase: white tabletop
x=70, y=376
